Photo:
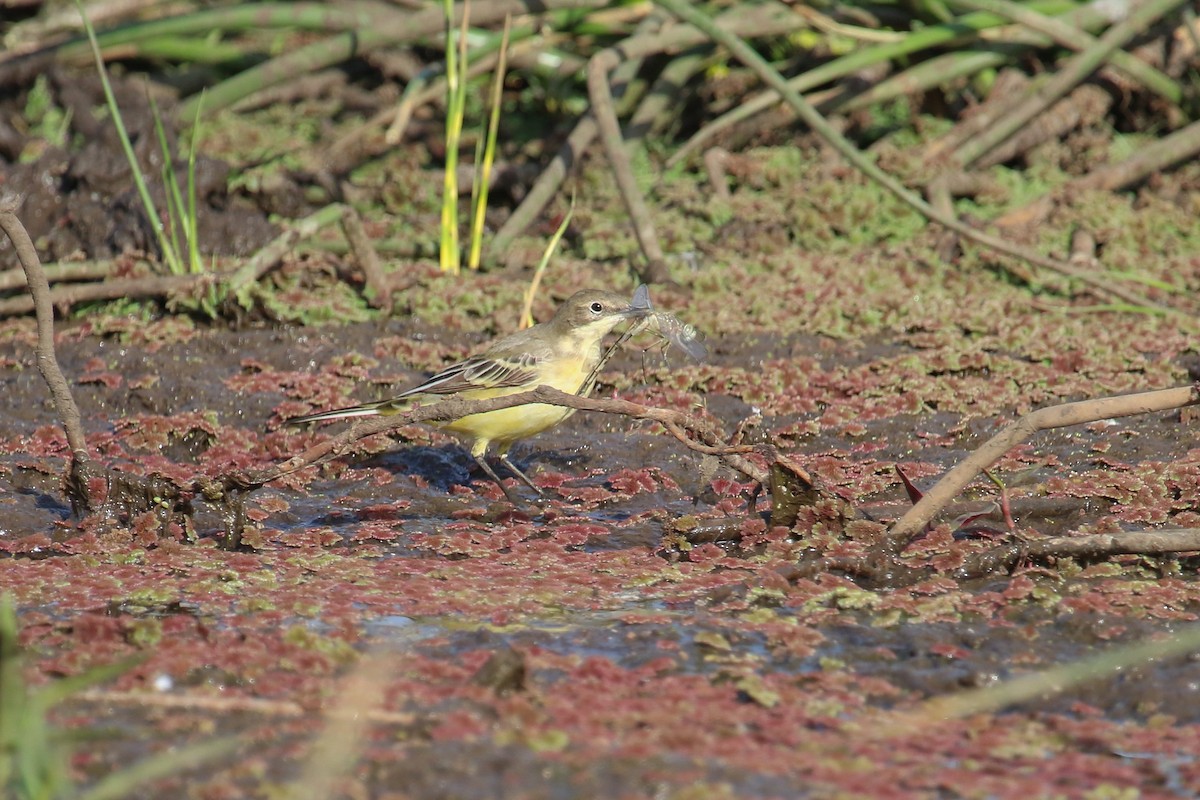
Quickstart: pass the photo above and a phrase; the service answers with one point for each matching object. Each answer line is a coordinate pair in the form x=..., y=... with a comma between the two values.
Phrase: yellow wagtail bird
x=562, y=353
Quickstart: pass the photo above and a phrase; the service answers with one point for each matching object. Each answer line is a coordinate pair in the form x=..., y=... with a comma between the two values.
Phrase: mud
x=634, y=668
x=612, y=487
x=79, y=196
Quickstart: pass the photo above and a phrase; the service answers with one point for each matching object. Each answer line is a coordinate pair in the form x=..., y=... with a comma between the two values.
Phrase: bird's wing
x=481, y=372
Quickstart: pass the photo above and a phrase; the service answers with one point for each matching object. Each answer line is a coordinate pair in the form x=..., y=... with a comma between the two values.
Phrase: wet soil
x=573, y=648
x=79, y=196
x=404, y=550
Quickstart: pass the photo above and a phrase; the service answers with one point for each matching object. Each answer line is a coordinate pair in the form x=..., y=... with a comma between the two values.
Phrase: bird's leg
x=483, y=465
x=524, y=478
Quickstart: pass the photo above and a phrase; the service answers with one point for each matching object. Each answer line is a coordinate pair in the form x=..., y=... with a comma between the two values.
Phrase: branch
x=1059, y=416
x=1088, y=548
x=693, y=432
x=47, y=361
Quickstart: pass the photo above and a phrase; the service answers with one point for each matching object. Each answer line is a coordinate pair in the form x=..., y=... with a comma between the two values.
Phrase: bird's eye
x=597, y=307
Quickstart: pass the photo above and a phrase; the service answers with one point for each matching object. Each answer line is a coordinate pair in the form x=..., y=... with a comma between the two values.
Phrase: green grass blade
x=456, y=71
x=479, y=192
x=138, y=178
x=527, y=311
x=175, y=210
x=54, y=693
x=193, y=227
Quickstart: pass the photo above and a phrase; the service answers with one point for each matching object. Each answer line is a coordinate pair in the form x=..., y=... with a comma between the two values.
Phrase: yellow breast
x=507, y=425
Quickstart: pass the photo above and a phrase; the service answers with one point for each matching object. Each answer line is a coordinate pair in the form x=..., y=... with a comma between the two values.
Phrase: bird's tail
x=367, y=410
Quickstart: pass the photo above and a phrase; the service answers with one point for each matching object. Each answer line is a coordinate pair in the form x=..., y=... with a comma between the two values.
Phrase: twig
x=197, y=701
x=618, y=157
x=63, y=297
x=1091, y=547
x=47, y=361
x=1179, y=146
x=378, y=293
x=1086, y=105
x=954, y=481
x=610, y=128
x=237, y=282
x=546, y=186
x=699, y=431
x=268, y=257
x=582, y=135
x=715, y=161
x=68, y=271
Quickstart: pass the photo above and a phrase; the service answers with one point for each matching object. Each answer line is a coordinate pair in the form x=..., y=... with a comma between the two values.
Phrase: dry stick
x=269, y=257
x=200, y=702
x=377, y=291
x=68, y=271
x=618, y=156
x=1091, y=547
x=1086, y=105
x=1076, y=70
x=814, y=120
x=130, y=491
x=953, y=482
x=1179, y=146
x=677, y=423
x=759, y=22
x=47, y=361
x=886, y=570
x=1010, y=86
x=1158, y=541
x=715, y=161
x=149, y=286
x=166, y=285
x=546, y=186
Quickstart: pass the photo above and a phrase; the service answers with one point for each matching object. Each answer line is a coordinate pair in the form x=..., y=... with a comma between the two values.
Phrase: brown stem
x=378, y=293
x=1179, y=146
x=235, y=281
x=1060, y=416
x=710, y=441
x=47, y=361
x=67, y=271
x=148, y=286
x=1095, y=546
x=618, y=156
